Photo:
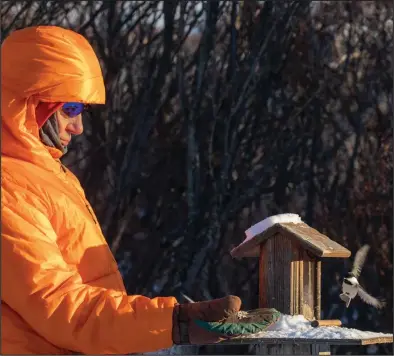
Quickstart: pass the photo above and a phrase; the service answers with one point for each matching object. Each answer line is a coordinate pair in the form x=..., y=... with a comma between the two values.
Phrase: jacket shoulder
x=23, y=181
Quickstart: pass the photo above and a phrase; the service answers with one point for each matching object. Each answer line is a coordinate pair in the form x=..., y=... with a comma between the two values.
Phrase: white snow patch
x=265, y=224
x=291, y=322
x=296, y=326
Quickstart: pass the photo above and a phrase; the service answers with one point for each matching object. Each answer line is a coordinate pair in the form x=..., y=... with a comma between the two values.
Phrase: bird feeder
x=290, y=256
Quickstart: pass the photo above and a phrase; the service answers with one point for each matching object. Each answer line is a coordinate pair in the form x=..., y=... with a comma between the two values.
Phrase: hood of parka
x=43, y=64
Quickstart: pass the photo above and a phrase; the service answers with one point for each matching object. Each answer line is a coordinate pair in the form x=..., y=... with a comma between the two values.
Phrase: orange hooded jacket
x=61, y=290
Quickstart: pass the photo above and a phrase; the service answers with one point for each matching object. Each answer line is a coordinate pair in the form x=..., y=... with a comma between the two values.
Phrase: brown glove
x=186, y=331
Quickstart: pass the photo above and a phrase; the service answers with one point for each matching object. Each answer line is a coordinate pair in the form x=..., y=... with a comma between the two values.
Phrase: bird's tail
x=346, y=299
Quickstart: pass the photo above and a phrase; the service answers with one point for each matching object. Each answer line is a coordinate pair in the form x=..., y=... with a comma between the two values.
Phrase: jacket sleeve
x=50, y=296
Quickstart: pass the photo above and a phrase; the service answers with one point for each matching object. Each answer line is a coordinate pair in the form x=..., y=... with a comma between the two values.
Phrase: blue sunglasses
x=73, y=109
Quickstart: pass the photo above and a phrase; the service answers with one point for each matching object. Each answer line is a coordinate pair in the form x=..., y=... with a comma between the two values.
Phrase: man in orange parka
x=61, y=291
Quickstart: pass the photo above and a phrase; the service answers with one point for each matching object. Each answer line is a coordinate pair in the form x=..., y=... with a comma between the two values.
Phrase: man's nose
x=75, y=127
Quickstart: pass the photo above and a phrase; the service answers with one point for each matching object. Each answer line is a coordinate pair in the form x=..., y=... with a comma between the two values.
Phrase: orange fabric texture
x=61, y=288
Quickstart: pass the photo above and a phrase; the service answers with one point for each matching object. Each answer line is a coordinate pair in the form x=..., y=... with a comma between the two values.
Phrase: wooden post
x=308, y=281
x=278, y=275
x=295, y=282
x=262, y=280
x=318, y=290
x=301, y=282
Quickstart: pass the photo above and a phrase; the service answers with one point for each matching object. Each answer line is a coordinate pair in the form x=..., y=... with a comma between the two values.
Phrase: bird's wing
x=369, y=299
x=359, y=260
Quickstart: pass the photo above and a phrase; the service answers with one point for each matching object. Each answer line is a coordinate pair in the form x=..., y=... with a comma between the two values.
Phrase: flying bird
x=350, y=285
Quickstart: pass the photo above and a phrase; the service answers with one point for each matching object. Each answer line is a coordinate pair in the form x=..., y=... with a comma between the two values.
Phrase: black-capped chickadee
x=350, y=285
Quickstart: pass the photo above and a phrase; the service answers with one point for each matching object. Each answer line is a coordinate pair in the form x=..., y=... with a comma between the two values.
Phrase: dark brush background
x=223, y=113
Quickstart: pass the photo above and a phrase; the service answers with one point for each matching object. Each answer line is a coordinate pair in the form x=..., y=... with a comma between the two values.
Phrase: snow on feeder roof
x=292, y=227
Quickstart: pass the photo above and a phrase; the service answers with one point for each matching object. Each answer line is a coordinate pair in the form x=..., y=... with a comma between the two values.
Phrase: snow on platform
x=294, y=330
x=297, y=327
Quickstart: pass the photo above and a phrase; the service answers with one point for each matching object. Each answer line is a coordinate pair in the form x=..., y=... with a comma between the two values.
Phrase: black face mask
x=49, y=134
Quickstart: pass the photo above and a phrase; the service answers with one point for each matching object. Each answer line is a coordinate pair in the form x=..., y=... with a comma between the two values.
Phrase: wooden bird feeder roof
x=312, y=240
